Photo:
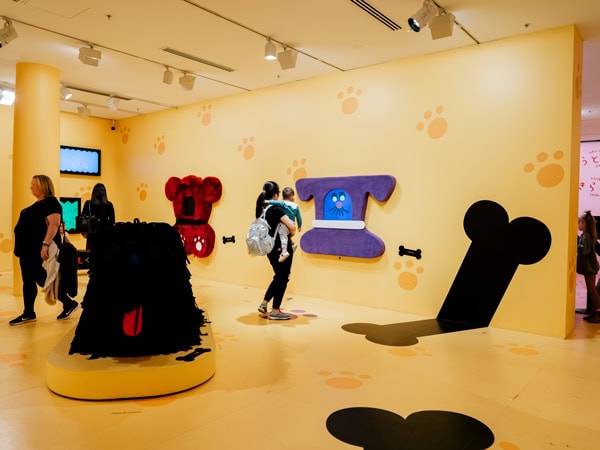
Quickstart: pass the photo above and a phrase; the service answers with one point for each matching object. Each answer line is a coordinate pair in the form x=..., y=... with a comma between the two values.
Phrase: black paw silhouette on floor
x=378, y=429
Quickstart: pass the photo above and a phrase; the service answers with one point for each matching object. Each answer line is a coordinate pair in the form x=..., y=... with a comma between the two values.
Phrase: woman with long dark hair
x=274, y=215
x=587, y=263
x=102, y=210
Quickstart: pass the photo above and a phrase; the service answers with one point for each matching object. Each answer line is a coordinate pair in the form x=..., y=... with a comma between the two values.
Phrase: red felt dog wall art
x=192, y=199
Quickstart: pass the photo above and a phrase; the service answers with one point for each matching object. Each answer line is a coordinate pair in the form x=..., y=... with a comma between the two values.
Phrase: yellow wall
x=6, y=226
x=452, y=128
x=495, y=108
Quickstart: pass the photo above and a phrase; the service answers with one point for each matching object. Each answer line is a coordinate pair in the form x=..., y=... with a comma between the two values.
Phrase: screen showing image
x=80, y=161
x=71, y=208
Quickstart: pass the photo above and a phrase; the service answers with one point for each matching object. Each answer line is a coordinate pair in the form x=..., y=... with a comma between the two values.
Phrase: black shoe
x=68, y=311
x=22, y=319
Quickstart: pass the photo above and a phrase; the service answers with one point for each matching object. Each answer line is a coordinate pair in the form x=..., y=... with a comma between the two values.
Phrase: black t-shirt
x=104, y=213
x=273, y=217
x=31, y=227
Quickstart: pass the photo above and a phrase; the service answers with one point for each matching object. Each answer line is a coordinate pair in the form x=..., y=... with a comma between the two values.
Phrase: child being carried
x=292, y=210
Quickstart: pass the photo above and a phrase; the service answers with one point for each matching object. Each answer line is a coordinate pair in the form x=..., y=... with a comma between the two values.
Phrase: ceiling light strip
x=252, y=30
x=206, y=62
x=120, y=97
x=376, y=14
x=128, y=54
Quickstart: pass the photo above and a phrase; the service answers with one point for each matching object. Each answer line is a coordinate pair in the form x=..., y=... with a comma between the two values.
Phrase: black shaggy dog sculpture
x=139, y=299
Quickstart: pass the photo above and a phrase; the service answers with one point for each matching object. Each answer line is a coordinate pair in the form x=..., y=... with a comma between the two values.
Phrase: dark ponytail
x=590, y=224
x=270, y=188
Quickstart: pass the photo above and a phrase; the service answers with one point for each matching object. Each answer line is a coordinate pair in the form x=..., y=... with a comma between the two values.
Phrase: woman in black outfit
x=274, y=215
x=100, y=208
x=36, y=229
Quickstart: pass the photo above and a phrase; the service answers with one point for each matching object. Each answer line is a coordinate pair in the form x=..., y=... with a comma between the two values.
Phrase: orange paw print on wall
x=436, y=127
x=297, y=171
x=550, y=173
x=408, y=279
x=6, y=244
x=85, y=192
x=349, y=99
x=13, y=359
x=345, y=380
x=159, y=145
x=247, y=148
x=125, y=134
x=205, y=115
x=142, y=190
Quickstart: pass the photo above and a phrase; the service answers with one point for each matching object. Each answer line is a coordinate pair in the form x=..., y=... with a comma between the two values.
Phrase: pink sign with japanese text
x=589, y=177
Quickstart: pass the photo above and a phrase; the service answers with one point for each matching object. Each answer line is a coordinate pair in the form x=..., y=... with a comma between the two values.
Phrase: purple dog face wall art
x=340, y=206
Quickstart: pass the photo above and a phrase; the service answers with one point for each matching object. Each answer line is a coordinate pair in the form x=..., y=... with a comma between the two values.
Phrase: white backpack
x=258, y=240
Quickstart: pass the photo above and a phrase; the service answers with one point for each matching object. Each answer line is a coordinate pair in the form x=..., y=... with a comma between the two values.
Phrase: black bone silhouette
x=228, y=239
x=402, y=250
x=497, y=249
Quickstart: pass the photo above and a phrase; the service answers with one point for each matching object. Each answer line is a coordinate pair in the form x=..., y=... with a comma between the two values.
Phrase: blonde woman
x=36, y=228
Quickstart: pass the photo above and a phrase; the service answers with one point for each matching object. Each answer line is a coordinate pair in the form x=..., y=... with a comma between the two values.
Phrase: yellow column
x=36, y=137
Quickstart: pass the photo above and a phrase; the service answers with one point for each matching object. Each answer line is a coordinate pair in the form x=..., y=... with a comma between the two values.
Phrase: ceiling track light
x=270, y=50
x=421, y=18
x=90, y=56
x=7, y=33
x=83, y=111
x=167, y=76
x=287, y=58
x=65, y=93
x=186, y=81
x=112, y=102
x=7, y=96
x=442, y=25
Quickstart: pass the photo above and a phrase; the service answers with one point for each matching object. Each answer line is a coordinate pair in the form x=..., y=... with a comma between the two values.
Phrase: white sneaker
x=284, y=256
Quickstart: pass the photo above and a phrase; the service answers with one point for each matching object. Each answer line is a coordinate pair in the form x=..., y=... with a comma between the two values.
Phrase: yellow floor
x=277, y=382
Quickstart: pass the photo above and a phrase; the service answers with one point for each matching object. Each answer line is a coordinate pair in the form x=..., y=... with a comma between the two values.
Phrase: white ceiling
x=336, y=34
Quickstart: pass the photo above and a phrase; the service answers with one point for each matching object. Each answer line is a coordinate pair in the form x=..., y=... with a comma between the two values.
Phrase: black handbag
x=86, y=223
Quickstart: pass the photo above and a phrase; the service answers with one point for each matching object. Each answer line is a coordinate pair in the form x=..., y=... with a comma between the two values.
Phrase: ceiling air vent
x=374, y=12
x=174, y=51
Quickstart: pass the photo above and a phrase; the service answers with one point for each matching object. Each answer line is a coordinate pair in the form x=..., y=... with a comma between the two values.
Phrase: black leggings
x=34, y=275
x=276, y=289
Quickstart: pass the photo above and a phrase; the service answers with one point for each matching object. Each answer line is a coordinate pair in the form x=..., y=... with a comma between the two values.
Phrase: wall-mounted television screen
x=79, y=161
x=71, y=208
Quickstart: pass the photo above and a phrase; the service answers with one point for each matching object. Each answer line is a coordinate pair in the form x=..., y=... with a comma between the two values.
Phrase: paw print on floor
x=6, y=244
x=85, y=192
x=550, y=173
x=409, y=351
x=349, y=99
x=522, y=350
x=219, y=338
x=508, y=446
x=408, y=279
x=436, y=127
x=13, y=359
x=205, y=115
x=159, y=145
x=297, y=171
x=143, y=191
x=247, y=148
x=125, y=134
x=304, y=313
x=345, y=380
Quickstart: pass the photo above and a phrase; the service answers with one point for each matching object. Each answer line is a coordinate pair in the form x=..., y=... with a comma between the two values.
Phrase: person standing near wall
x=36, y=229
x=102, y=210
x=587, y=263
x=274, y=215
